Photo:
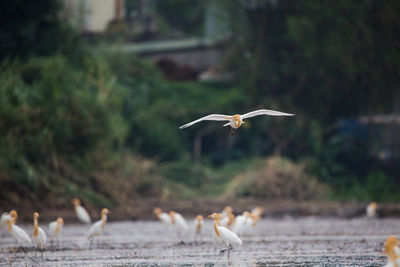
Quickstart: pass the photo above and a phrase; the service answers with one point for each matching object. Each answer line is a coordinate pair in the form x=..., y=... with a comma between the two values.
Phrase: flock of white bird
x=8, y=220
x=227, y=228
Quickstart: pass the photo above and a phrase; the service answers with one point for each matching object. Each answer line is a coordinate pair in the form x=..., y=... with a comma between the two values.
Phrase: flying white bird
x=162, y=216
x=179, y=222
x=97, y=227
x=225, y=234
x=392, y=251
x=81, y=212
x=235, y=121
x=39, y=236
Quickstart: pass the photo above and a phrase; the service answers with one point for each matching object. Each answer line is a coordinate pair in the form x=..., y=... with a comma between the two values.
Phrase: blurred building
x=93, y=16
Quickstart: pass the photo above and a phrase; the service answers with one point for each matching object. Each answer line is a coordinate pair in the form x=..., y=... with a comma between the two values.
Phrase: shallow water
x=275, y=242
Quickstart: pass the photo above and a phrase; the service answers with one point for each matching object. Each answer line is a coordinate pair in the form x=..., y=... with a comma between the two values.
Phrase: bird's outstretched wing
x=265, y=112
x=211, y=117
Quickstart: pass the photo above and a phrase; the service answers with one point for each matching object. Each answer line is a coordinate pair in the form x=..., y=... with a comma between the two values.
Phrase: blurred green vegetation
x=104, y=126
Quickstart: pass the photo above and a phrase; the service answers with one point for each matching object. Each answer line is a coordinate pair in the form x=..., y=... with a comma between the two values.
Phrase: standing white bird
x=226, y=211
x=19, y=235
x=240, y=223
x=225, y=234
x=97, y=227
x=257, y=211
x=162, y=216
x=227, y=216
x=81, y=212
x=371, y=210
x=235, y=121
x=392, y=251
x=39, y=236
x=179, y=222
x=55, y=228
x=198, y=224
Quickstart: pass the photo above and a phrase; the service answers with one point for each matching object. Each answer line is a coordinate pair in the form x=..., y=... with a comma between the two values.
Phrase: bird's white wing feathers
x=165, y=218
x=82, y=214
x=95, y=230
x=211, y=117
x=40, y=239
x=181, y=222
x=52, y=228
x=229, y=236
x=20, y=235
x=5, y=217
x=265, y=112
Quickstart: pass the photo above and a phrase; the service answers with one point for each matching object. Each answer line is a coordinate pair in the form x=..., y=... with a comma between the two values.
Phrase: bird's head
x=390, y=244
x=35, y=215
x=157, y=211
x=237, y=120
x=172, y=213
x=199, y=217
x=215, y=216
x=246, y=214
x=373, y=205
x=259, y=210
x=228, y=209
x=76, y=202
x=60, y=220
x=14, y=214
x=105, y=212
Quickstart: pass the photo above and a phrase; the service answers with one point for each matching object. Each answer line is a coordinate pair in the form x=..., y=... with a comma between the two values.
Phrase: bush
x=63, y=132
x=277, y=178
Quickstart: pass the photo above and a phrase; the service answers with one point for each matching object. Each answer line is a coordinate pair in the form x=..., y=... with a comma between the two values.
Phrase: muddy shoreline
x=305, y=241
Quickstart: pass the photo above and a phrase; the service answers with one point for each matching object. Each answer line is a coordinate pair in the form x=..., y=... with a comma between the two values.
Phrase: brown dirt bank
x=142, y=209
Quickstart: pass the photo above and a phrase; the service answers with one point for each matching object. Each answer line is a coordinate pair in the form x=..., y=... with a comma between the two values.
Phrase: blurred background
x=92, y=93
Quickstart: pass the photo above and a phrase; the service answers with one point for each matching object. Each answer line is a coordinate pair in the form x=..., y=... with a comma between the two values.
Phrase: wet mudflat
x=309, y=241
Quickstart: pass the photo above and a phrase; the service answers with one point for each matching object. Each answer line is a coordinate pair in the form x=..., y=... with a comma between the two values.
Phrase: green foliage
x=60, y=124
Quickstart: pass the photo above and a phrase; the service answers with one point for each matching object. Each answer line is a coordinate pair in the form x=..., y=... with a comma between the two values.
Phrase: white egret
x=162, y=216
x=55, y=228
x=97, y=227
x=198, y=224
x=257, y=211
x=241, y=223
x=81, y=212
x=235, y=121
x=179, y=222
x=224, y=233
x=371, y=210
x=392, y=251
x=19, y=235
x=226, y=211
x=39, y=236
